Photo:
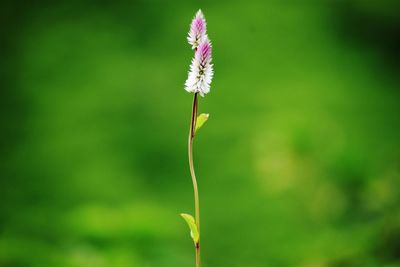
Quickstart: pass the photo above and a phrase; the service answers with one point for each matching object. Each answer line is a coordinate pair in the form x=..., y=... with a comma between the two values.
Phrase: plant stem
x=192, y=173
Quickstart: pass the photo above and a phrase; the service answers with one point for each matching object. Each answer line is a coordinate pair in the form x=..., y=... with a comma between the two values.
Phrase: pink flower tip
x=203, y=52
x=198, y=30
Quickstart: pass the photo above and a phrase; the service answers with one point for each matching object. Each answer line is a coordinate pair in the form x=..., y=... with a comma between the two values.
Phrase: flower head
x=201, y=70
x=198, y=28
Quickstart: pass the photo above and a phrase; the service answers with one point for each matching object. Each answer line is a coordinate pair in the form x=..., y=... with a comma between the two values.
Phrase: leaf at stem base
x=194, y=233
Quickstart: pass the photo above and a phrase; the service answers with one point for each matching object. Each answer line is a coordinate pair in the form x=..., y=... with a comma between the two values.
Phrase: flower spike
x=198, y=29
x=201, y=70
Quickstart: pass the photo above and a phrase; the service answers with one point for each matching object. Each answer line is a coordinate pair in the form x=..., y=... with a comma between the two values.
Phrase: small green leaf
x=201, y=119
x=194, y=233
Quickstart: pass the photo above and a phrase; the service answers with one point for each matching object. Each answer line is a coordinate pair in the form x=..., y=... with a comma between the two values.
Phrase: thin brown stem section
x=192, y=132
x=197, y=255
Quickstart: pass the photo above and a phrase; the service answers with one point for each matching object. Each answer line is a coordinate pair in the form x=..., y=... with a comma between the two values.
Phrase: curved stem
x=192, y=172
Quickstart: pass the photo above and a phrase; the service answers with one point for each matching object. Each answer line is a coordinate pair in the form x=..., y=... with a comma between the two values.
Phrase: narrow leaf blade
x=194, y=233
x=201, y=119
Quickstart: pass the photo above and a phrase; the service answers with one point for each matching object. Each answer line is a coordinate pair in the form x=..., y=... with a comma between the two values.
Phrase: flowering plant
x=198, y=82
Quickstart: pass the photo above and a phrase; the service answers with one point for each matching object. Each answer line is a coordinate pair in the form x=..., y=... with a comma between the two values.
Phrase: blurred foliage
x=300, y=162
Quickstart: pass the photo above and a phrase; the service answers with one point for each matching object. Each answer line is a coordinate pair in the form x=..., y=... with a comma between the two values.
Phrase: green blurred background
x=299, y=164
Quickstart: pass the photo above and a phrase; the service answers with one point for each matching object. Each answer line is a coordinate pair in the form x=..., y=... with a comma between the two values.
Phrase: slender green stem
x=192, y=132
x=198, y=255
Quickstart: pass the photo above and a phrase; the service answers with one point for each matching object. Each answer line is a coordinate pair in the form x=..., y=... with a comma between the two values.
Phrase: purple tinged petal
x=203, y=53
x=198, y=30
